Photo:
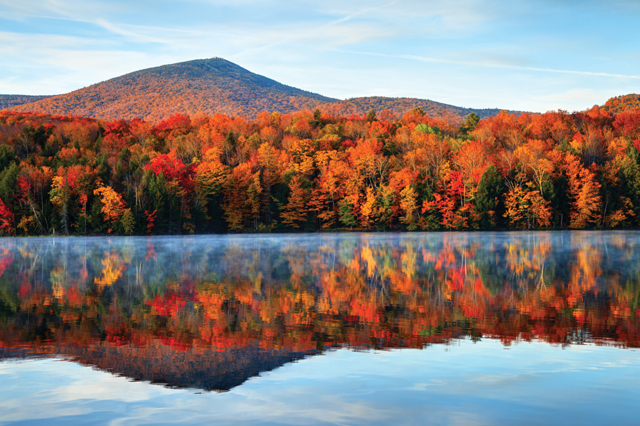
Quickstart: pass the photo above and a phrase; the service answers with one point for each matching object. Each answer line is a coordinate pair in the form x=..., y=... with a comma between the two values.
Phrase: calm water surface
x=482, y=328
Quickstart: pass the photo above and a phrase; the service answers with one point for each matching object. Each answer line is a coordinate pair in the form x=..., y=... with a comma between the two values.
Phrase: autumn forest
x=315, y=170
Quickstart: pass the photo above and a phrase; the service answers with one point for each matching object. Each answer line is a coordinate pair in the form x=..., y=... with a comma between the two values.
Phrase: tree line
x=311, y=171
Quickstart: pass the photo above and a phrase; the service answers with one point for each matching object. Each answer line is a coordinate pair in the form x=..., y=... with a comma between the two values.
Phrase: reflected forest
x=209, y=312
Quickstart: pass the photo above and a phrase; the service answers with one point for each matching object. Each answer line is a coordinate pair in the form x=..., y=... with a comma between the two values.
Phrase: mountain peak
x=208, y=86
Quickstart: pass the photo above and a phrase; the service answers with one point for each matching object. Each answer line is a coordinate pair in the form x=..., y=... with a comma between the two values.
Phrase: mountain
x=207, y=86
x=363, y=105
x=10, y=101
x=207, y=369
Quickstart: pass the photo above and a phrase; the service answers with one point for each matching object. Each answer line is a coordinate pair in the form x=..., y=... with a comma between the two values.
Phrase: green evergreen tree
x=347, y=217
x=157, y=198
x=128, y=222
x=7, y=156
x=557, y=192
x=630, y=180
x=317, y=118
x=488, y=198
x=9, y=182
x=96, y=218
x=371, y=116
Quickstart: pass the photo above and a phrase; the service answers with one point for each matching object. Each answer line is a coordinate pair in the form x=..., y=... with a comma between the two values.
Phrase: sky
x=530, y=55
x=463, y=383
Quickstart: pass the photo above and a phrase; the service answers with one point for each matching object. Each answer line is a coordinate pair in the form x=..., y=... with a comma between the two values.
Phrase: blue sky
x=534, y=55
x=458, y=384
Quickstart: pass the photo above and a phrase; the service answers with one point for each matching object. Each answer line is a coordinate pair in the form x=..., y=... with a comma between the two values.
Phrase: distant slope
x=10, y=101
x=363, y=105
x=210, y=86
x=622, y=103
x=207, y=86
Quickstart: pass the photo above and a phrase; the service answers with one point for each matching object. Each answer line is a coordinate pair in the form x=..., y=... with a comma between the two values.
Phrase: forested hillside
x=210, y=86
x=401, y=105
x=10, y=101
x=204, y=86
x=309, y=171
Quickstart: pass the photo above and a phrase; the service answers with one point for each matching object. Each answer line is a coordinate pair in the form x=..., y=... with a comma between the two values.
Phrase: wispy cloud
x=363, y=12
x=493, y=64
x=132, y=33
x=521, y=52
x=72, y=9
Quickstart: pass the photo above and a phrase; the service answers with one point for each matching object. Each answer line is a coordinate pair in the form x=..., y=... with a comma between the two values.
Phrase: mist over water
x=376, y=323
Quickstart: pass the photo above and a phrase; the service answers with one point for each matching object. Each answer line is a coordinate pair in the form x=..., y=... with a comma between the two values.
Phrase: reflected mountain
x=157, y=363
x=209, y=312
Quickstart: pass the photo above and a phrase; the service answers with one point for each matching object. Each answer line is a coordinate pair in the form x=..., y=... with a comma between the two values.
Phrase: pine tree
x=128, y=222
x=490, y=192
x=347, y=216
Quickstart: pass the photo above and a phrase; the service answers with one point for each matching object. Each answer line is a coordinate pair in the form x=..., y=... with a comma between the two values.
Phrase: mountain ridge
x=8, y=101
x=210, y=86
x=201, y=86
x=400, y=105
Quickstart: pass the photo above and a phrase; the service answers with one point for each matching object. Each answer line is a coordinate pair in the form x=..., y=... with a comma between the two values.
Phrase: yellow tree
x=270, y=169
x=329, y=190
x=242, y=197
x=60, y=196
x=534, y=160
x=367, y=159
x=403, y=182
x=586, y=202
x=113, y=206
x=409, y=206
x=526, y=209
x=210, y=178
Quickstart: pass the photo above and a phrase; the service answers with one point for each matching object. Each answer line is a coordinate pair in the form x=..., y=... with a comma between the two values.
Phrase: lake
x=413, y=328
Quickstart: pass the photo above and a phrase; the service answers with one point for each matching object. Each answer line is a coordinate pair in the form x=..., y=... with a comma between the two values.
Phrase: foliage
x=303, y=296
x=314, y=171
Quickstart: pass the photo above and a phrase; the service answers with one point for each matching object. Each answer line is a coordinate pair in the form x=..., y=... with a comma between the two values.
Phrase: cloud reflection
x=469, y=383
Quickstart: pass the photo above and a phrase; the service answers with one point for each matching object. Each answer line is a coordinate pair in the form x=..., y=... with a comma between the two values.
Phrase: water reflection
x=209, y=312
